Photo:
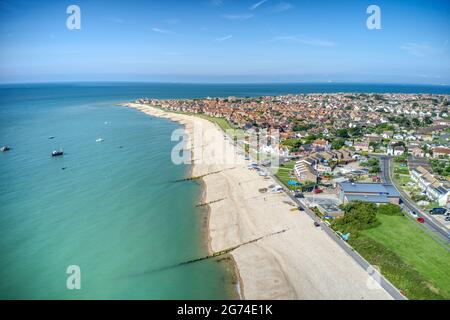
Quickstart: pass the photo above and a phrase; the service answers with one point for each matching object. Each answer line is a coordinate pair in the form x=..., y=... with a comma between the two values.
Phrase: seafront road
x=304, y=262
x=436, y=229
x=385, y=284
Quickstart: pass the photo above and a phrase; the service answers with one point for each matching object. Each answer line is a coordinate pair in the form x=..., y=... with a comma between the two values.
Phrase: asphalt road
x=374, y=273
x=385, y=284
x=436, y=228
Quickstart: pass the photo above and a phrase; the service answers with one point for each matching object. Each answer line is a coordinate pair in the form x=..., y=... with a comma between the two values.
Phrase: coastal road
x=372, y=273
x=384, y=283
x=434, y=227
x=363, y=263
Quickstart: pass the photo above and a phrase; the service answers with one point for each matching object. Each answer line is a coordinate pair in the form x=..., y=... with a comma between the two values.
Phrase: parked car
x=300, y=208
x=438, y=211
x=420, y=220
x=447, y=218
x=317, y=190
x=316, y=224
x=413, y=213
x=299, y=195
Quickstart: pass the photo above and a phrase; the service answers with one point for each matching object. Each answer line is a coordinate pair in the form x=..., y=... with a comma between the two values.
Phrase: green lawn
x=399, y=169
x=402, y=179
x=221, y=122
x=407, y=256
x=284, y=174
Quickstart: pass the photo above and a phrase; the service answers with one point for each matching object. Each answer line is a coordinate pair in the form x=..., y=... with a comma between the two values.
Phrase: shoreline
x=301, y=262
x=238, y=288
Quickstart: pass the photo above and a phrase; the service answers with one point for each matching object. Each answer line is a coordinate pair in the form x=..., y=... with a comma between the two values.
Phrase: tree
x=358, y=216
x=373, y=162
x=342, y=133
x=428, y=120
x=374, y=144
x=374, y=169
x=337, y=143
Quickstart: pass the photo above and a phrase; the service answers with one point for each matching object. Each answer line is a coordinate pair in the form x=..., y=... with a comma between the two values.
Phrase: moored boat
x=57, y=153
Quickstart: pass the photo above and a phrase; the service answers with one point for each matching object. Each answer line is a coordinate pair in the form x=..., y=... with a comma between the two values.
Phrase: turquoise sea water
x=114, y=210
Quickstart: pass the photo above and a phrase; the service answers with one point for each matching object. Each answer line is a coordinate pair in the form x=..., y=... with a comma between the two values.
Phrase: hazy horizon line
x=228, y=82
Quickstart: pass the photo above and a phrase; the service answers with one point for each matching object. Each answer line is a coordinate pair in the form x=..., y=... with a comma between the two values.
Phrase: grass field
x=284, y=174
x=221, y=122
x=402, y=179
x=398, y=168
x=408, y=257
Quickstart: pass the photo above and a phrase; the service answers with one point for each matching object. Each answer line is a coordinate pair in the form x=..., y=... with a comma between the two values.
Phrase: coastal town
x=330, y=139
x=361, y=165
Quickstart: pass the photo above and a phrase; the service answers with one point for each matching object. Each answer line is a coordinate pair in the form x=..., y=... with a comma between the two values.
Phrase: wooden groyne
x=210, y=202
x=202, y=176
x=213, y=255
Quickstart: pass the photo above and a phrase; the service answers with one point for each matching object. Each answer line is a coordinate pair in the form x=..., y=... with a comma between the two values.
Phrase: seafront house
x=304, y=170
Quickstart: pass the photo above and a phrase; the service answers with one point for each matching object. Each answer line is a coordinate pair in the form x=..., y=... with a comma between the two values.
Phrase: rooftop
x=375, y=188
x=372, y=198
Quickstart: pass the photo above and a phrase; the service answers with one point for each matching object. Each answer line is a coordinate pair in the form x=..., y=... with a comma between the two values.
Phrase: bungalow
x=343, y=156
x=322, y=168
x=387, y=134
x=442, y=122
x=361, y=146
x=399, y=150
x=321, y=144
x=394, y=149
x=440, y=152
x=416, y=152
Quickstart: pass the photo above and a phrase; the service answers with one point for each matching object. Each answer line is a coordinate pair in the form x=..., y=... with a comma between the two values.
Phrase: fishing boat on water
x=5, y=148
x=57, y=153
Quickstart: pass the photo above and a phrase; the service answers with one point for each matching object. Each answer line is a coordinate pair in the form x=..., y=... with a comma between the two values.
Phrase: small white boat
x=57, y=153
x=99, y=140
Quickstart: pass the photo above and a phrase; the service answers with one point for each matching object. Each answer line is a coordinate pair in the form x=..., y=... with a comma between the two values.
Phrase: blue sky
x=225, y=41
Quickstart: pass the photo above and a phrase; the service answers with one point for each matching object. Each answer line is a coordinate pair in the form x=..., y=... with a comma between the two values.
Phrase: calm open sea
x=112, y=208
